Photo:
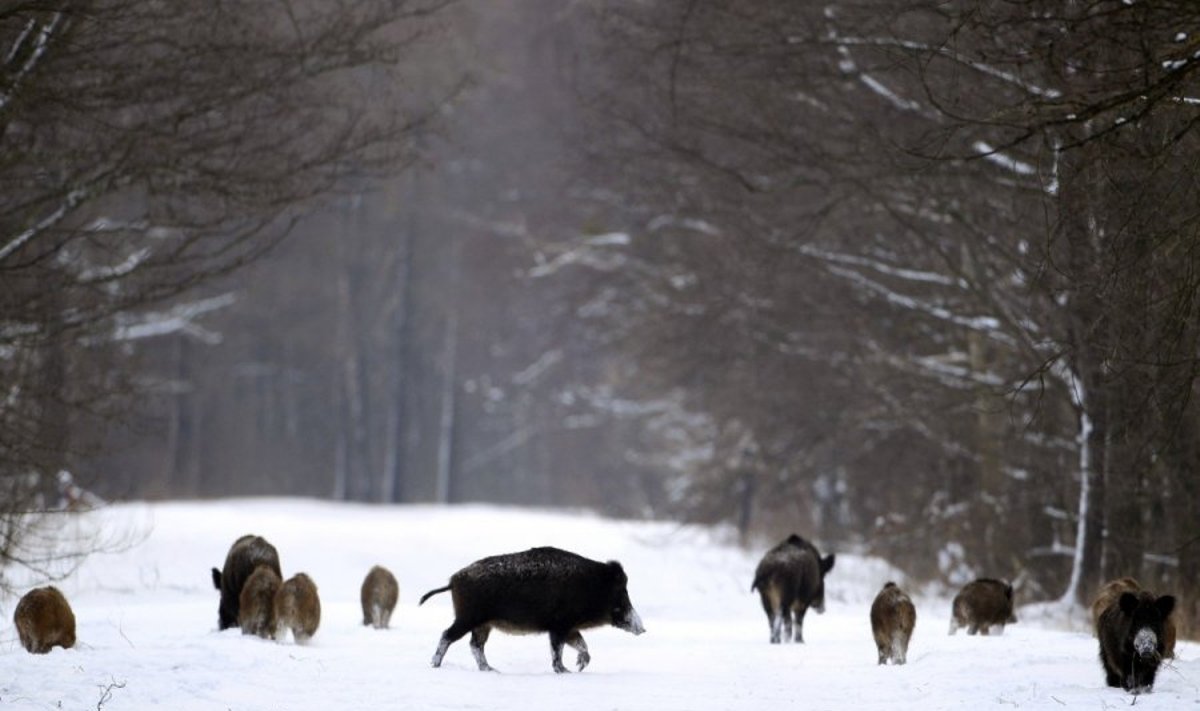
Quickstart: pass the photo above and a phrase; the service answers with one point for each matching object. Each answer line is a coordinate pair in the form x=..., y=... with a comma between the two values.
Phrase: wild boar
x=981, y=605
x=379, y=594
x=297, y=608
x=893, y=617
x=257, y=602
x=1110, y=593
x=246, y=554
x=790, y=578
x=539, y=590
x=1132, y=639
x=44, y=620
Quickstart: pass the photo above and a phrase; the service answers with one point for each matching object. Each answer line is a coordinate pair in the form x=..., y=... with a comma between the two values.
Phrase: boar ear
x=1165, y=605
x=827, y=563
x=1008, y=591
x=617, y=571
x=216, y=579
x=1129, y=602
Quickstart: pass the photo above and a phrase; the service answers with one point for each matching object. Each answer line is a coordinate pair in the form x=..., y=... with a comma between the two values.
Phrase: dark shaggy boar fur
x=379, y=594
x=790, y=578
x=1110, y=592
x=257, y=602
x=44, y=620
x=1132, y=639
x=981, y=605
x=246, y=554
x=893, y=617
x=297, y=608
x=539, y=590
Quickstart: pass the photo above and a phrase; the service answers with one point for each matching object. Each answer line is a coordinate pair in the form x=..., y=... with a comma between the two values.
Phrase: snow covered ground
x=147, y=626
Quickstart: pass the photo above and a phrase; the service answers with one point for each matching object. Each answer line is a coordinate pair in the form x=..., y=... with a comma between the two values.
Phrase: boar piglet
x=246, y=554
x=297, y=608
x=256, y=613
x=44, y=620
x=539, y=590
x=379, y=594
x=981, y=605
x=893, y=617
x=1132, y=639
x=790, y=578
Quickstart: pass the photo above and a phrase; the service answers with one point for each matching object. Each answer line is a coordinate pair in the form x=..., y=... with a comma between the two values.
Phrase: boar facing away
x=538, y=590
x=256, y=604
x=44, y=620
x=1132, y=639
x=297, y=608
x=379, y=594
x=790, y=578
x=893, y=617
x=246, y=554
x=981, y=605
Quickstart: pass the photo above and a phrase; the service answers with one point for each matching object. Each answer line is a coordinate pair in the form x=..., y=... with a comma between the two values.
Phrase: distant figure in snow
x=297, y=608
x=790, y=578
x=246, y=554
x=893, y=617
x=539, y=590
x=44, y=620
x=981, y=605
x=379, y=594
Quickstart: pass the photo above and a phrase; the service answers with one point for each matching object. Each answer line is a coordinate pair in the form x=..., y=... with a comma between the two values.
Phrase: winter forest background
x=916, y=278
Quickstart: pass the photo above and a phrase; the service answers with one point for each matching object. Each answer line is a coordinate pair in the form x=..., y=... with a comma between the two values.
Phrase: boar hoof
x=582, y=660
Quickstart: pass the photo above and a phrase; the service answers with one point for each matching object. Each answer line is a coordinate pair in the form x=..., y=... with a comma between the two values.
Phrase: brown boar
x=246, y=554
x=981, y=605
x=44, y=620
x=1132, y=635
x=379, y=594
x=790, y=578
x=893, y=617
x=297, y=608
x=538, y=590
x=256, y=613
x=1110, y=593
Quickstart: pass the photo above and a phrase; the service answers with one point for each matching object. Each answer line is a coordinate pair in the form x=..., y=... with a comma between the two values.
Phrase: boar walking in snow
x=246, y=554
x=297, y=608
x=539, y=590
x=1110, y=593
x=1132, y=632
x=981, y=605
x=256, y=613
x=44, y=620
x=790, y=578
x=893, y=617
x=379, y=594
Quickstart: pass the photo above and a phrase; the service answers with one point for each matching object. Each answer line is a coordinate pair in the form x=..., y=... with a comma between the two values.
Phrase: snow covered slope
x=148, y=639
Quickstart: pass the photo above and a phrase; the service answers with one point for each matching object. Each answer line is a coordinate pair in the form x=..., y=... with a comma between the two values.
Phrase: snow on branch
x=40, y=42
x=179, y=319
x=590, y=253
x=882, y=267
x=71, y=201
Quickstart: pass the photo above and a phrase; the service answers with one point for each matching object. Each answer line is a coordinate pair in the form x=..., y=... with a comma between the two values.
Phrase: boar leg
x=557, y=640
x=479, y=637
x=883, y=655
x=799, y=609
x=452, y=634
x=576, y=641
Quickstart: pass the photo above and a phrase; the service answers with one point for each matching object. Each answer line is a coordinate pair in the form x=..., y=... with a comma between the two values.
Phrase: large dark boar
x=246, y=554
x=981, y=605
x=893, y=617
x=539, y=590
x=297, y=608
x=44, y=620
x=790, y=578
x=1132, y=639
x=257, y=602
x=379, y=594
x=1110, y=593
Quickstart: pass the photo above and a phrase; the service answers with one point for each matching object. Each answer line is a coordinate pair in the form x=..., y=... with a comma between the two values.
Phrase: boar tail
x=431, y=593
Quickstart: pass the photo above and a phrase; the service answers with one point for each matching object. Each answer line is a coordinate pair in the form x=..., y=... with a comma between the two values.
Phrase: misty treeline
x=914, y=277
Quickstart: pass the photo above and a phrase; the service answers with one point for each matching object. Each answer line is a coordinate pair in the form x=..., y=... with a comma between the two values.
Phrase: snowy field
x=147, y=626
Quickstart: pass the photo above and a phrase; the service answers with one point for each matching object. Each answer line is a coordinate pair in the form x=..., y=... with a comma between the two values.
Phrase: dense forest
x=919, y=278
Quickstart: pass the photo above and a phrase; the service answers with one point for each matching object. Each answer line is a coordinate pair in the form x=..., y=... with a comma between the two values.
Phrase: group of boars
x=558, y=592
